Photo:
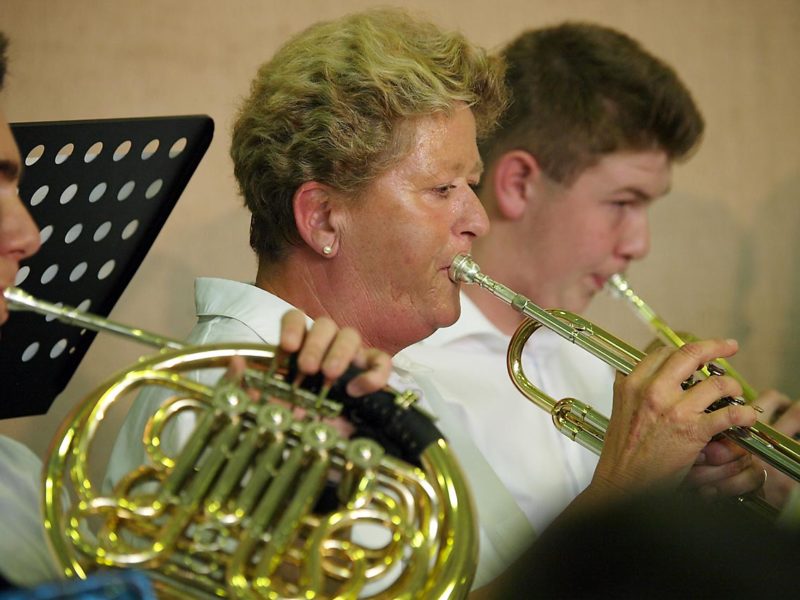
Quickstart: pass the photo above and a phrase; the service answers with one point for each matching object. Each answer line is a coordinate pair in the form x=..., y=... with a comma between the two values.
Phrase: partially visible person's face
x=578, y=236
x=402, y=233
x=19, y=236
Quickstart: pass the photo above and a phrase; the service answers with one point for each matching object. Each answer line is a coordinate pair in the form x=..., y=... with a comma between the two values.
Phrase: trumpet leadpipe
x=578, y=331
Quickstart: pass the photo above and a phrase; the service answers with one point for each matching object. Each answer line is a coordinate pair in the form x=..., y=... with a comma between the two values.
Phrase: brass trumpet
x=620, y=288
x=260, y=502
x=579, y=421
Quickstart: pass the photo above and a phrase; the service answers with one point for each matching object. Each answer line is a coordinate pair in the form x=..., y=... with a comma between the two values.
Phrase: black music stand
x=100, y=192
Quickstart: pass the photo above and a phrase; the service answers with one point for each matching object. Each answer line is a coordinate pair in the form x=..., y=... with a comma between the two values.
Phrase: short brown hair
x=329, y=105
x=579, y=91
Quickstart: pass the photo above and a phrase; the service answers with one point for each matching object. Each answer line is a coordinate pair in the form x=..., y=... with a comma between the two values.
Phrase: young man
x=23, y=553
x=595, y=124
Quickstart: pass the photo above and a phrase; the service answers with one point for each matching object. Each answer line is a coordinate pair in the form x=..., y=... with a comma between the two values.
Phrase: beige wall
x=725, y=241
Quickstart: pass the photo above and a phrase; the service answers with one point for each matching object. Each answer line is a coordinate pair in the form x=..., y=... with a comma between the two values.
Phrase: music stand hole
x=98, y=191
x=51, y=318
x=65, y=152
x=73, y=233
x=84, y=305
x=153, y=189
x=178, y=147
x=126, y=190
x=34, y=155
x=22, y=275
x=102, y=231
x=106, y=269
x=93, y=152
x=68, y=193
x=122, y=150
x=49, y=274
x=58, y=348
x=39, y=195
x=30, y=352
x=150, y=149
x=45, y=233
x=130, y=229
x=78, y=271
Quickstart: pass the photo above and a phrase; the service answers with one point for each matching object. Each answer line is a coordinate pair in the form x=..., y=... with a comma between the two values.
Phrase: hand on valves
x=660, y=433
x=325, y=348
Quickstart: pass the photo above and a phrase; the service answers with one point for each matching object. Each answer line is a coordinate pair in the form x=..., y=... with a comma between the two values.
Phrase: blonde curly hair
x=329, y=105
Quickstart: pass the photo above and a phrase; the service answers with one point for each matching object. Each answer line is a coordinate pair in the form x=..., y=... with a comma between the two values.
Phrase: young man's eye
x=624, y=203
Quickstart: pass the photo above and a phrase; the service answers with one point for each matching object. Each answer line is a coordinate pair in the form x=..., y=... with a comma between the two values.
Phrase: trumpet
x=620, y=288
x=261, y=500
x=579, y=421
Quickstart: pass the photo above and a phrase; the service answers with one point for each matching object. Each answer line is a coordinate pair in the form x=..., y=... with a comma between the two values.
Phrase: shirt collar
x=244, y=302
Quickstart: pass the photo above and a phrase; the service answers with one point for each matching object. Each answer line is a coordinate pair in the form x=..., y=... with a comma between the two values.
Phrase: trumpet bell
x=265, y=498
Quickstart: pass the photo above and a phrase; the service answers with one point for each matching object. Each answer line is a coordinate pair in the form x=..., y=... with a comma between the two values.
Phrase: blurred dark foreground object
x=659, y=545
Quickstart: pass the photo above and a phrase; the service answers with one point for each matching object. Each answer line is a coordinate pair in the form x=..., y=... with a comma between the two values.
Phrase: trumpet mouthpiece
x=617, y=285
x=463, y=269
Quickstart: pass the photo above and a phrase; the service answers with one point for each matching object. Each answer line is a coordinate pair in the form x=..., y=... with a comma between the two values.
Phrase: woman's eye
x=444, y=190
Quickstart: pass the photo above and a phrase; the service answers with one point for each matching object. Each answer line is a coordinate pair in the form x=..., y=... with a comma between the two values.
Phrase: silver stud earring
x=327, y=250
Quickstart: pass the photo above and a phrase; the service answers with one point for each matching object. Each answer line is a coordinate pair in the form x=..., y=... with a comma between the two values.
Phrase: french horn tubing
x=263, y=500
x=619, y=287
x=576, y=419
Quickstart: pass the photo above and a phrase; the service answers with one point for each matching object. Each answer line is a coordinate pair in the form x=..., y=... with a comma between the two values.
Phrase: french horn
x=265, y=499
x=576, y=419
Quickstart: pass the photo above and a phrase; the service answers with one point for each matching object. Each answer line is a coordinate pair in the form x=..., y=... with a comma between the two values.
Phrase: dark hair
x=3, y=59
x=580, y=91
x=330, y=105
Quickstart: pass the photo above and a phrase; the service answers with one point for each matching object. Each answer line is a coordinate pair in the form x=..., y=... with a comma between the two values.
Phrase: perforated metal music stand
x=100, y=192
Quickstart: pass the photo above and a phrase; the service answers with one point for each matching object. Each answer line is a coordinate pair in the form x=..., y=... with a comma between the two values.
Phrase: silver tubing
x=18, y=299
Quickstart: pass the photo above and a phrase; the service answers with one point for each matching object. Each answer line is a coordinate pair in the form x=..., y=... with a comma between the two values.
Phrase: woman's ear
x=516, y=174
x=312, y=216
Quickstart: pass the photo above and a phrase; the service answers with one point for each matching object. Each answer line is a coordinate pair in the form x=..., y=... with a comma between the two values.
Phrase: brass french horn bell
x=259, y=502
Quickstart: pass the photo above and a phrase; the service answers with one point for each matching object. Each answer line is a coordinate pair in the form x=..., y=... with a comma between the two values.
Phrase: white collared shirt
x=25, y=559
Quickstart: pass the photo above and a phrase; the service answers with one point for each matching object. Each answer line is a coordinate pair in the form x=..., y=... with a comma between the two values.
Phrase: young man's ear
x=312, y=216
x=515, y=175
